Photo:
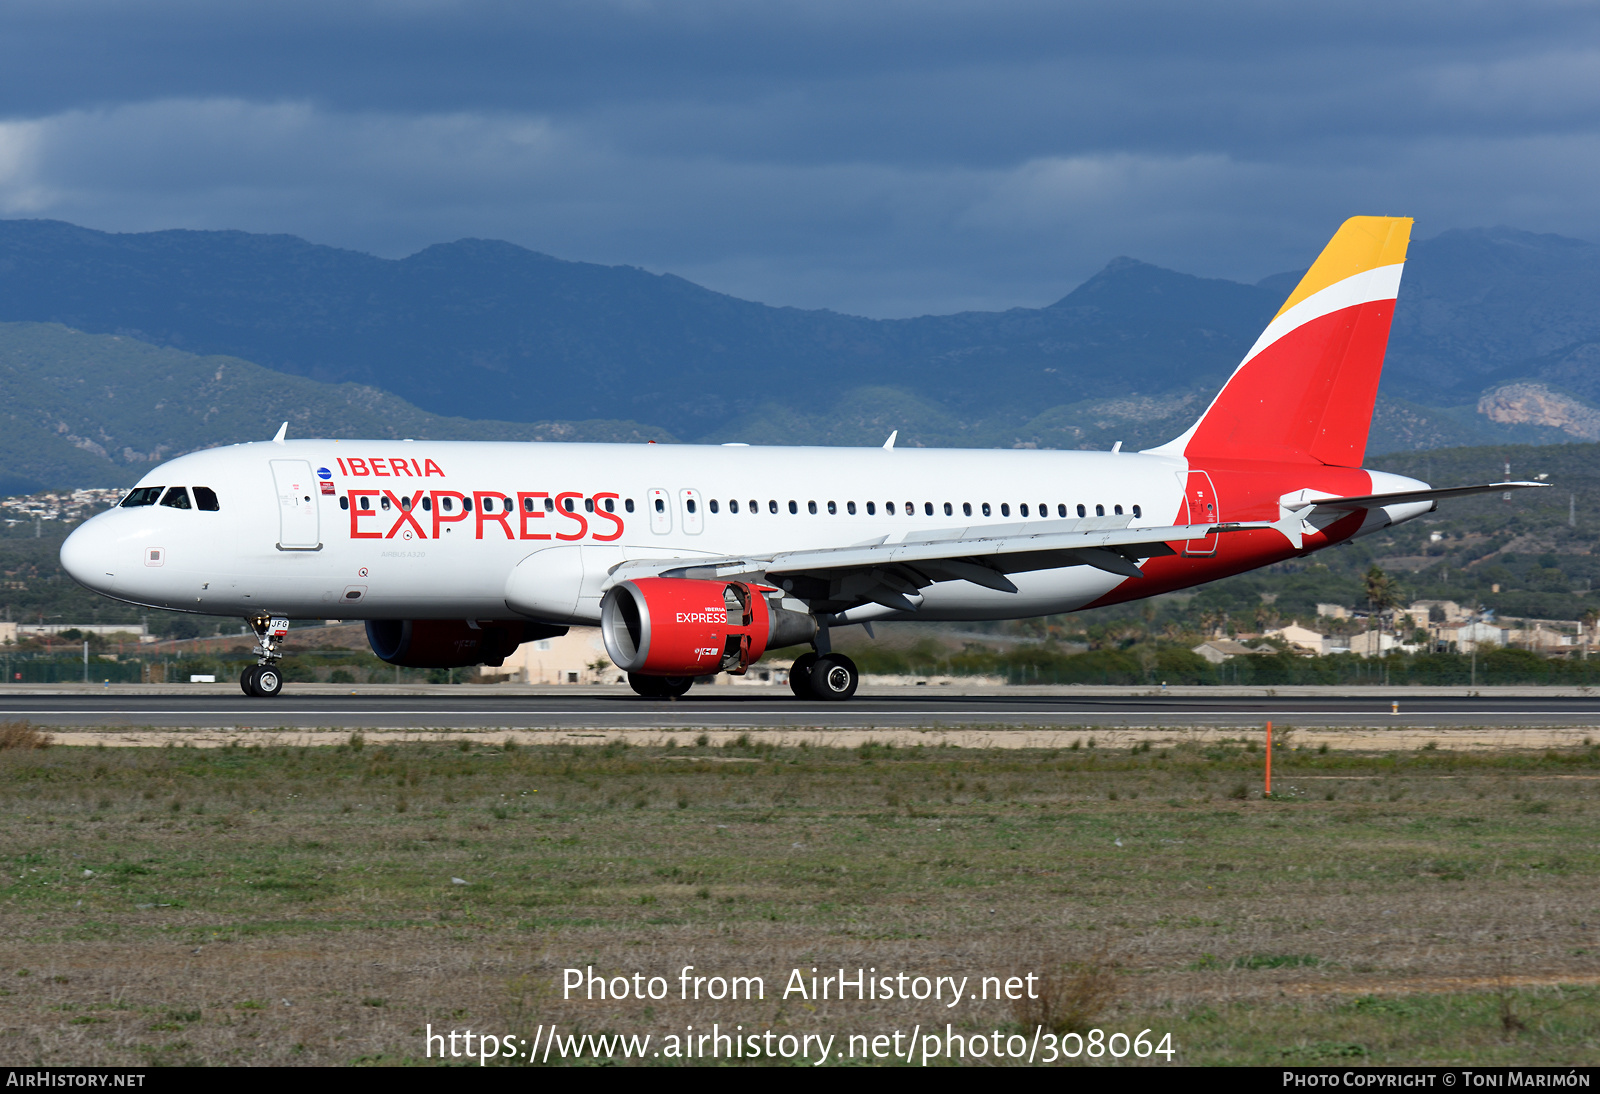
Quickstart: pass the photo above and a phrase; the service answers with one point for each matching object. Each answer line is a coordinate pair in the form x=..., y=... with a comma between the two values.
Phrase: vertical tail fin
x=1304, y=392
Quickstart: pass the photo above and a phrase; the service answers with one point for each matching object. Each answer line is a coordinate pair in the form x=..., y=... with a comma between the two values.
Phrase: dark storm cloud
x=886, y=158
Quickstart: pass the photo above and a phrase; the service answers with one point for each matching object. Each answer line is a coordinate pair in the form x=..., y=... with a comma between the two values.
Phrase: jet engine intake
x=452, y=643
x=671, y=626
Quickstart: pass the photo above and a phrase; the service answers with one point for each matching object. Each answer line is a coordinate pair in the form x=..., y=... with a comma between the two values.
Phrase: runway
x=576, y=708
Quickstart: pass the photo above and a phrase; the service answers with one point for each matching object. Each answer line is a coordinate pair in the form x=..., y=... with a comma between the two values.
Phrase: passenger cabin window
x=833, y=509
x=948, y=511
x=205, y=499
x=1023, y=509
x=427, y=505
x=176, y=498
x=569, y=507
x=986, y=509
x=966, y=508
x=1136, y=512
x=144, y=495
x=661, y=505
x=628, y=505
x=1082, y=512
x=344, y=501
x=527, y=505
x=611, y=505
x=811, y=507
x=1061, y=510
x=911, y=508
x=713, y=504
x=384, y=504
x=1117, y=509
x=1099, y=510
x=405, y=503
x=733, y=505
x=1005, y=509
x=366, y=503
x=588, y=505
x=888, y=507
x=793, y=508
x=872, y=508
x=466, y=504
x=927, y=508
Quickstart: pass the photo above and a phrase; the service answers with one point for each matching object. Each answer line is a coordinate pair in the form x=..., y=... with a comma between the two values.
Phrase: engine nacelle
x=674, y=626
x=452, y=643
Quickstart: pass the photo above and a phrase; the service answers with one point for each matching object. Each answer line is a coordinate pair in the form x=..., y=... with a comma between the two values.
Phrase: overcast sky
x=884, y=159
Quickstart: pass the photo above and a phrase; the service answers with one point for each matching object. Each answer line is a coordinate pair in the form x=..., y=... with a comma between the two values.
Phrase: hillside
x=478, y=328
x=97, y=410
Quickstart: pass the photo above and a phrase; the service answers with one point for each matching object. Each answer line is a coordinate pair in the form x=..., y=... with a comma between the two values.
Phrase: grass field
x=272, y=905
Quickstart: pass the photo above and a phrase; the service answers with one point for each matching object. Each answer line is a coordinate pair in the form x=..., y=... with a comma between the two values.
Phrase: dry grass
x=1071, y=996
x=273, y=905
x=21, y=735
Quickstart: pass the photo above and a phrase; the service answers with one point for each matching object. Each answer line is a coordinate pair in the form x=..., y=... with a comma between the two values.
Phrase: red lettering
x=400, y=467
x=356, y=513
x=377, y=468
x=406, y=515
x=536, y=513
x=438, y=510
x=342, y=471
x=419, y=469
x=358, y=466
x=502, y=518
x=561, y=510
x=601, y=511
x=431, y=468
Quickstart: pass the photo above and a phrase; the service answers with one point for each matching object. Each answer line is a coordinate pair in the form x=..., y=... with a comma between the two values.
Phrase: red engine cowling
x=452, y=643
x=672, y=626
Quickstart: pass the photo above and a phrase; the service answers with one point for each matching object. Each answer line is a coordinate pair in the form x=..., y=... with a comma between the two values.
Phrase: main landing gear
x=831, y=677
x=263, y=680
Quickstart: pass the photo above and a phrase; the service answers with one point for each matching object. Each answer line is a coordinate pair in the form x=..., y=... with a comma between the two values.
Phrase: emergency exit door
x=1203, y=509
x=299, y=527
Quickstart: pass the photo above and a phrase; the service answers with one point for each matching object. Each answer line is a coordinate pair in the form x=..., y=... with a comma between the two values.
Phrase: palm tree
x=1383, y=594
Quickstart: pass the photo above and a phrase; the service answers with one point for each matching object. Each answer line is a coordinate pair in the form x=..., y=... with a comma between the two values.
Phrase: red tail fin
x=1304, y=392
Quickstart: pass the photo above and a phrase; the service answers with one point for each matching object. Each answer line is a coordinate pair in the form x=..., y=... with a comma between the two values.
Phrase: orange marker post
x=1269, y=759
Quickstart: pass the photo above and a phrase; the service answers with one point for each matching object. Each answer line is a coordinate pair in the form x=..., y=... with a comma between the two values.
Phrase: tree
x=1383, y=592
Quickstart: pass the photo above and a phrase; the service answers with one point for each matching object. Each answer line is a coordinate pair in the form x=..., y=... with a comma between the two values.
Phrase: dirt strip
x=1357, y=739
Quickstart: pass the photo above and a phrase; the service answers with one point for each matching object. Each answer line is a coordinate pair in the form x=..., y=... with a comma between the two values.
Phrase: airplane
x=695, y=559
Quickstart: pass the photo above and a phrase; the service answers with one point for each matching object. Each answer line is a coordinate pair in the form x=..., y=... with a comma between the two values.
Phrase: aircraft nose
x=88, y=558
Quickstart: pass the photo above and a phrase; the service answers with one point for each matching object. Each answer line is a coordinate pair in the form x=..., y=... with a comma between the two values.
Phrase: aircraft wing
x=1377, y=501
x=889, y=573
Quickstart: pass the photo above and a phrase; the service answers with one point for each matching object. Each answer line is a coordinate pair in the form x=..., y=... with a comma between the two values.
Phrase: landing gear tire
x=660, y=687
x=834, y=677
x=244, y=679
x=800, y=676
x=262, y=681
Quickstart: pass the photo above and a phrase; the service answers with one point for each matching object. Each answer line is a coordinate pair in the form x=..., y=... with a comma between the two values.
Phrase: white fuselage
x=432, y=564
x=290, y=536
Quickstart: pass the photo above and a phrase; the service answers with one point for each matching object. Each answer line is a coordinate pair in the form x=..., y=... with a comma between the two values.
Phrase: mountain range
x=107, y=340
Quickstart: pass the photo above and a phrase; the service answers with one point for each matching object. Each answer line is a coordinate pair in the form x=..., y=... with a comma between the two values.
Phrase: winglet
x=1290, y=526
x=890, y=442
x=283, y=431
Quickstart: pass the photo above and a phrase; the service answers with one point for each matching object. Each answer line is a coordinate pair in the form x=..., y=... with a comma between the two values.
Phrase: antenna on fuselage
x=283, y=431
x=887, y=444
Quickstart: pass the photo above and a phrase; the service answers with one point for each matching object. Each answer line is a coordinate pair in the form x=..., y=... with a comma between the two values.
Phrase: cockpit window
x=205, y=499
x=144, y=495
x=176, y=498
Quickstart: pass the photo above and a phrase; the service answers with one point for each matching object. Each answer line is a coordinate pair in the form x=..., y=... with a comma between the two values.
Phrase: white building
x=1333, y=611
x=1300, y=637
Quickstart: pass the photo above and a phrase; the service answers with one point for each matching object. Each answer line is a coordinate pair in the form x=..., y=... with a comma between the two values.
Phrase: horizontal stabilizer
x=1378, y=501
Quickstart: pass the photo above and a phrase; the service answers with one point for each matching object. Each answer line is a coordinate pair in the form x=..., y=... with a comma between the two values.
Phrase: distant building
x=8, y=633
x=1300, y=637
x=1372, y=643
x=35, y=629
x=1474, y=636
x=1333, y=611
x=1218, y=650
x=1426, y=612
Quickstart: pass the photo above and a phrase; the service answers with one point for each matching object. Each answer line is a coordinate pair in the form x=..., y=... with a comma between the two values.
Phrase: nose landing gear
x=263, y=680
